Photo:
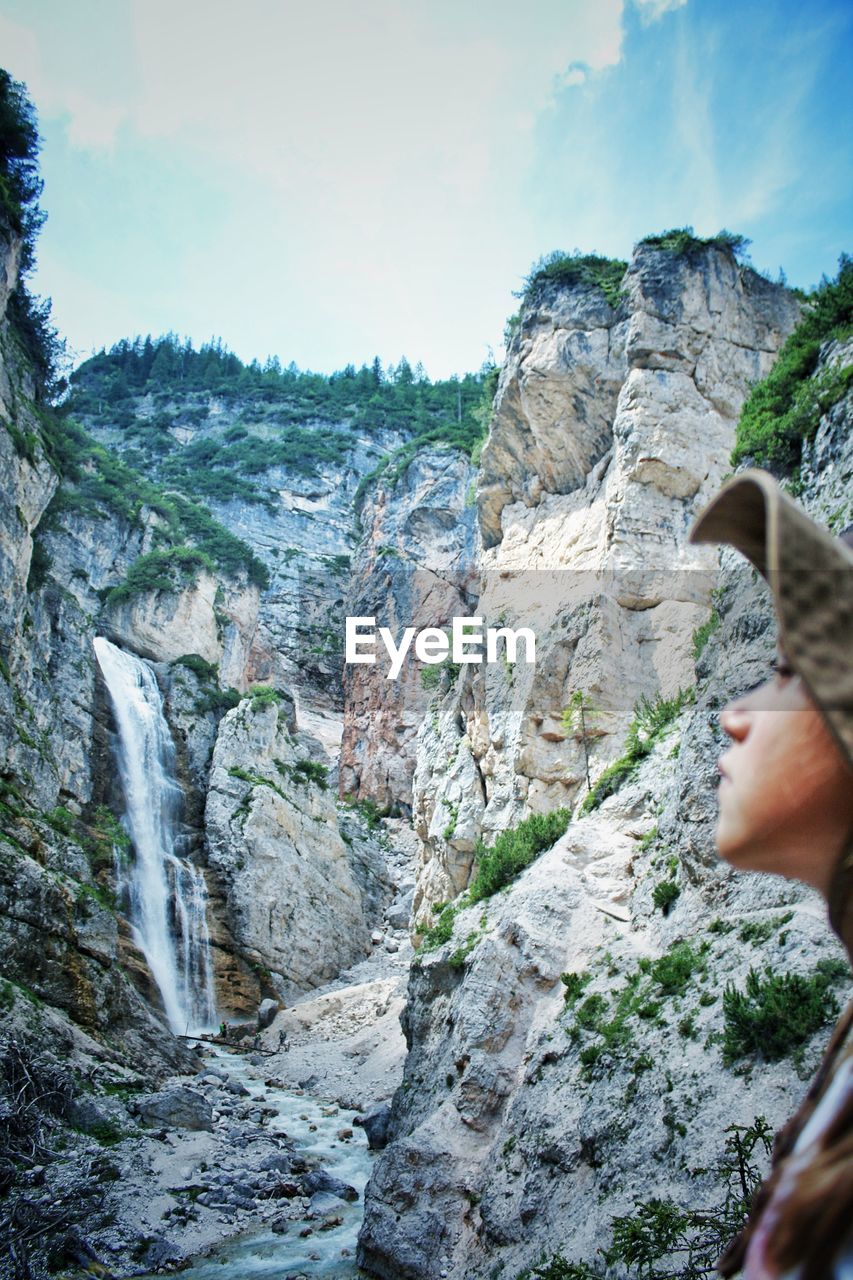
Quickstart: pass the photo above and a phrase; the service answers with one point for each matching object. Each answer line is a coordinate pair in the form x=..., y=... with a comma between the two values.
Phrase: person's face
x=786, y=792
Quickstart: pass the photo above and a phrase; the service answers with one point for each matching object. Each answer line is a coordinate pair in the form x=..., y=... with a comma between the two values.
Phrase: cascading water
x=167, y=893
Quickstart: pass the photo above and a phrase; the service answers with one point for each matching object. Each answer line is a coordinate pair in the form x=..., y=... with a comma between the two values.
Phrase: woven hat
x=810, y=574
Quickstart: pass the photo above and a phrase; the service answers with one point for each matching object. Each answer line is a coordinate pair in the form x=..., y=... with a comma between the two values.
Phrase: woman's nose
x=734, y=719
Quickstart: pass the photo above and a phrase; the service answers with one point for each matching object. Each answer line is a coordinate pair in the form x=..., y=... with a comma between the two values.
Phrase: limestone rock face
x=10, y=261
x=165, y=625
x=588, y=486
x=555, y=403
x=521, y=1129
x=294, y=903
x=414, y=570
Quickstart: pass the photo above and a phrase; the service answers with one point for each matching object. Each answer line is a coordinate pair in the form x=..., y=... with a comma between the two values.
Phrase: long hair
x=816, y=1218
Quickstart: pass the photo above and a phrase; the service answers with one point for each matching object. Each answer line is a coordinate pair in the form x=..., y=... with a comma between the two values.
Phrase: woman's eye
x=780, y=667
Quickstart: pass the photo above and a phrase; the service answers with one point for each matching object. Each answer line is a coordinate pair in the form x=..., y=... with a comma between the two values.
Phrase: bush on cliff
x=785, y=408
x=514, y=850
x=498, y=866
x=171, y=570
x=650, y=722
x=682, y=242
x=776, y=1015
x=565, y=270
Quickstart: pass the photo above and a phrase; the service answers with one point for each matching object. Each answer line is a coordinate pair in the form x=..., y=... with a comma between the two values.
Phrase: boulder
x=320, y=1180
x=267, y=1010
x=375, y=1125
x=398, y=915
x=235, y=1087
x=180, y=1107
x=279, y=1161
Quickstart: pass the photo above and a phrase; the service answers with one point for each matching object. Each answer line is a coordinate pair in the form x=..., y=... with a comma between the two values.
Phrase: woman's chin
x=731, y=847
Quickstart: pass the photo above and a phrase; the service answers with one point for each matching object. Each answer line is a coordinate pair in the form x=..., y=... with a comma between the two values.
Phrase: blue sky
x=329, y=181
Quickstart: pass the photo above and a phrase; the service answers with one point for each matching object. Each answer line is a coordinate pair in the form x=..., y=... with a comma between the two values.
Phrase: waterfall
x=166, y=892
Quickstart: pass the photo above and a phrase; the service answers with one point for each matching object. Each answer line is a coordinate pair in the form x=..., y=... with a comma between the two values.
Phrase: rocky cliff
x=414, y=567
x=569, y=1059
x=611, y=428
x=61, y=941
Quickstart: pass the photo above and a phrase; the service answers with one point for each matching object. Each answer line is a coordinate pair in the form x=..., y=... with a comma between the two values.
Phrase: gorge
x=209, y=817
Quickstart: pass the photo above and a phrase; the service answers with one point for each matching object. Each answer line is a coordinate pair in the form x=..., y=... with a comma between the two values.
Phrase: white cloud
x=575, y=75
x=372, y=92
x=651, y=10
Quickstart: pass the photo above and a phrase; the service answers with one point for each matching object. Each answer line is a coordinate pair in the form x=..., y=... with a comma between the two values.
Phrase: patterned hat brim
x=810, y=575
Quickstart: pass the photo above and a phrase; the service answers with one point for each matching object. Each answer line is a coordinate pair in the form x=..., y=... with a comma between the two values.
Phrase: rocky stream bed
x=253, y=1165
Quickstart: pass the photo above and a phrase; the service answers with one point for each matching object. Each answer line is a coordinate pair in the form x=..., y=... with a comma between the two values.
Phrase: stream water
x=262, y=1255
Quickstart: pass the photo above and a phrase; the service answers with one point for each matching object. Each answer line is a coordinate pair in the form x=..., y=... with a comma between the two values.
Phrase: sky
x=329, y=181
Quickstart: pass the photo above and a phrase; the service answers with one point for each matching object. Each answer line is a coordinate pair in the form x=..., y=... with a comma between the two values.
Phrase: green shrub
x=40, y=565
x=650, y=722
x=514, y=850
x=775, y=1015
x=442, y=930
x=108, y=1134
x=62, y=821
x=171, y=570
x=664, y=895
x=254, y=779
x=368, y=809
x=311, y=771
x=675, y=969
x=609, y=1024
x=216, y=700
x=431, y=675
x=263, y=696
x=605, y=1021
x=574, y=984
x=703, y=633
x=450, y=827
x=785, y=407
x=208, y=672
x=758, y=931
x=557, y=1268
x=567, y=270
x=106, y=837
x=590, y=1014
x=682, y=242
x=461, y=954
x=721, y=927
